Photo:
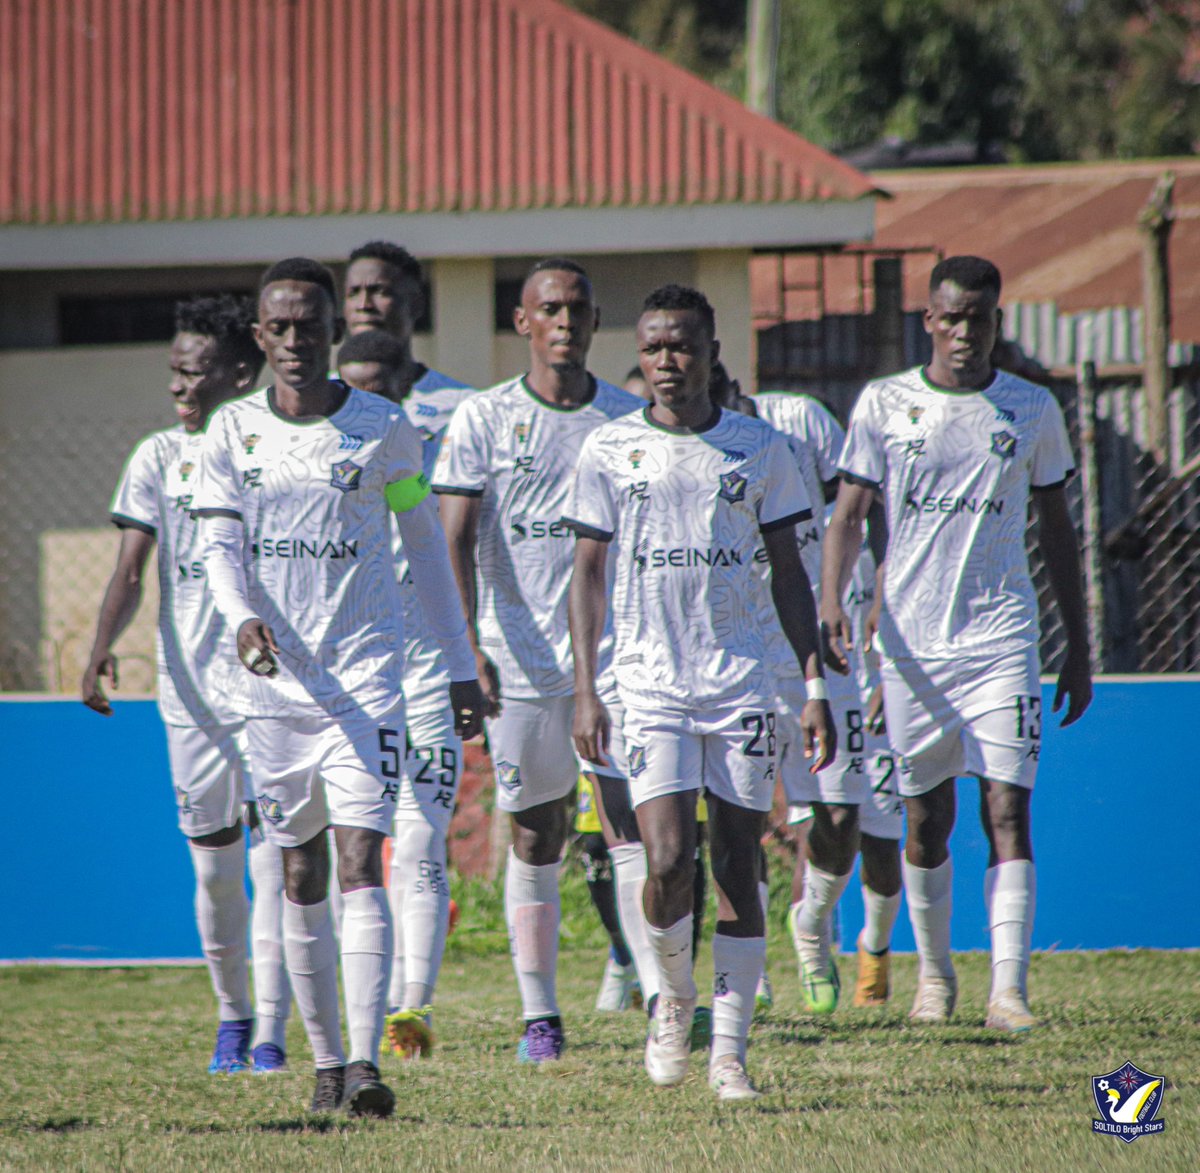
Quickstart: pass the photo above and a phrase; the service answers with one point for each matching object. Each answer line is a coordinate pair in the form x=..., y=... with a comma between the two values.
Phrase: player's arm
x=877, y=539
x=587, y=604
x=1060, y=552
x=460, y=514
x=793, y=597
x=839, y=552
x=122, y=597
x=429, y=561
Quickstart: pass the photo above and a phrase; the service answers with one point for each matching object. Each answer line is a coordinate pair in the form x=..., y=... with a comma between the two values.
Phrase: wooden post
x=888, y=278
x=762, y=53
x=1154, y=223
x=1093, y=527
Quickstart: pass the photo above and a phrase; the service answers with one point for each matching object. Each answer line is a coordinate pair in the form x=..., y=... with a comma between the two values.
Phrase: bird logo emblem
x=1128, y=1100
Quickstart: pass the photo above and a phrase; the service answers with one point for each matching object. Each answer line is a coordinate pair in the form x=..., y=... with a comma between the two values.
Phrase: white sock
x=1010, y=890
x=673, y=952
x=366, y=960
x=879, y=918
x=223, y=918
x=532, y=909
x=822, y=891
x=396, y=893
x=272, y=990
x=629, y=864
x=419, y=874
x=929, y=902
x=311, y=951
x=737, y=965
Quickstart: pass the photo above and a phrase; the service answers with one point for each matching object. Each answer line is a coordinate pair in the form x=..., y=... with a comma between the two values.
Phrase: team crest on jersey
x=522, y=431
x=637, y=760
x=346, y=475
x=1128, y=1100
x=350, y=443
x=1004, y=444
x=636, y=457
x=249, y=441
x=270, y=809
x=915, y=413
x=733, y=487
x=186, y=469
x=508, y=775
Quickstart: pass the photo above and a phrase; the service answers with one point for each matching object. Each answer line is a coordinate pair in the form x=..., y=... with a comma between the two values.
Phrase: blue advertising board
x=94, y=867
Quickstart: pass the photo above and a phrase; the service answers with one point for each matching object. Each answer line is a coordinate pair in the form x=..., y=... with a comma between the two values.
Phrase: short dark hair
x=373, y=346
x=682, y=297
x=556, y=265
x=391, y=254
x=971, y=274
x=228, y=320
x=300, y=269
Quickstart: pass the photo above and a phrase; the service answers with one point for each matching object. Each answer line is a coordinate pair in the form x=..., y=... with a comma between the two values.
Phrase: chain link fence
x=1139, y=523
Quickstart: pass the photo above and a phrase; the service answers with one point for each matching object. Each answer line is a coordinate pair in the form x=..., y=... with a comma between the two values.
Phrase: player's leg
x=881, y=823
x=272, y=989
x=534, y=757
x=764, y=996
x=1003, y=743
x=207, y=774
x=740, y=762
x=419, y=881
x=284, y=758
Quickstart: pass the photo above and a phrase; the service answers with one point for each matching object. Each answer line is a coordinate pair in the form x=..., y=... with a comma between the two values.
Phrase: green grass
x=105, y=1069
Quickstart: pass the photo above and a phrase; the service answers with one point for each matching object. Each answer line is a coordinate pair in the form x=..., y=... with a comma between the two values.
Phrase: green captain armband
x=408, y=493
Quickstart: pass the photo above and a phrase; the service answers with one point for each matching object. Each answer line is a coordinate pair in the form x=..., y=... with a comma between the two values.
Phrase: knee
x=670, y=865
x=304, y=879
x=360, y=860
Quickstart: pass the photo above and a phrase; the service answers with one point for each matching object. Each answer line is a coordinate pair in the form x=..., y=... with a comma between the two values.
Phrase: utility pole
x=762, y=54
x=1154, y=223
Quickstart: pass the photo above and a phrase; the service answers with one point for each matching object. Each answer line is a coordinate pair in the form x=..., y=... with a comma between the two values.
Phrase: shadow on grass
x=60, y=1124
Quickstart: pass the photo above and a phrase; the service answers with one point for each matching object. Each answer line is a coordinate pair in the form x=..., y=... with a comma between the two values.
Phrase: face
x=963, y=326
x=559, y=316
x=201, y=378
x=380, y=297
x=375, y=377
x=676, y=355
x=296, y=329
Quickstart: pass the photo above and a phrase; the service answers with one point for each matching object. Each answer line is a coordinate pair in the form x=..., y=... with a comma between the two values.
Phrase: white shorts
x=881, y=814
x=315, y=772
x=845, y=779
x=730, y=751
x=432, y=768
x=533, y=752
x=981, y=717
x=208, y=771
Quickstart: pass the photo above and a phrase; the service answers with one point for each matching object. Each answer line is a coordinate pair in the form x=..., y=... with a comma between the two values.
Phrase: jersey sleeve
x=785, y=500
x=134, y=504
x=1053, y=462
x=218, y=489
x=591, y=505
x=863, y=457
x=829, y=437
x=404, y=472
x=462, y=466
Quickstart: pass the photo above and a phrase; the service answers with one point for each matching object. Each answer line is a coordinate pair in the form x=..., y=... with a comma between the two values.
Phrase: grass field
x=105, y=1069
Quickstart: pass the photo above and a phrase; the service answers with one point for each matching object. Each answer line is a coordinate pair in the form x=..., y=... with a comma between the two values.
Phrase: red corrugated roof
x=129, y=110
x=1065, y=233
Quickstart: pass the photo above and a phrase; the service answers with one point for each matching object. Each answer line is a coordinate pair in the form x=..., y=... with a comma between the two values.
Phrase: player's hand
x=592, y=728
x=93, y=694
x=820, y=734
x=257, y=648
x=489, y=682
x=871, y=623
x=876, y=722
x=1074, y=685
x=836, y=637
x=469, y=705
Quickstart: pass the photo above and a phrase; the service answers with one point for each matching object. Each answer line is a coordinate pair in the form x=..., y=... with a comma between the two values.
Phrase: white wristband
x=815, y=687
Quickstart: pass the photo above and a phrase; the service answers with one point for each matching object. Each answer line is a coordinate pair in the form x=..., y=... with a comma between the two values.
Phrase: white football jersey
x=200, y=681
x=815, y=438
x=318, y=544
x=684, y=512
x=518, y=453
x=429, y=406
x=956, y=471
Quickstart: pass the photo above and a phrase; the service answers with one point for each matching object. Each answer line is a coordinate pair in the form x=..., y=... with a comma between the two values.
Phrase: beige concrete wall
x=461, y=344
x=724, y=278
